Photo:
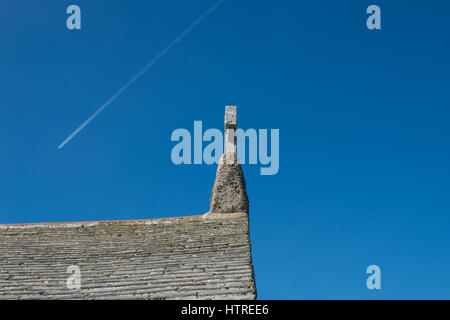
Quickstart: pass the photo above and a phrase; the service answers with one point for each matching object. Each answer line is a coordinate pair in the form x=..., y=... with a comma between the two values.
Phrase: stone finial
x=229, y=194
x=230, y=117
x=230, y=127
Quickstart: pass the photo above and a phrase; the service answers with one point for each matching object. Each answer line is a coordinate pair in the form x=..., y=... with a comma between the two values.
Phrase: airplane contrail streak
x=142, y=71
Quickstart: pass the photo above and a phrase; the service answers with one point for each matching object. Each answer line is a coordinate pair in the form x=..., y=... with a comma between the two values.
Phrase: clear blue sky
x=363, y=116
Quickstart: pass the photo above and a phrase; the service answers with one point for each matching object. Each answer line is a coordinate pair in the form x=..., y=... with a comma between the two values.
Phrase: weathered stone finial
x=229, y=194
x=230, y=127
x=230, y=117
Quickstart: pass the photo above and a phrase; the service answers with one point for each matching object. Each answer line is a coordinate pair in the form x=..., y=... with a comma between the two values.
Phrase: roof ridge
x=98, y=221
x=207, y=216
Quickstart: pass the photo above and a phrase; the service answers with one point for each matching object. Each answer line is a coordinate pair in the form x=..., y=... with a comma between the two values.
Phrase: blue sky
x=363, y=116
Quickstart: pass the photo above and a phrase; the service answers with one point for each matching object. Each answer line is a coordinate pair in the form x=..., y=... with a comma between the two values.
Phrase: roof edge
x=207, y=215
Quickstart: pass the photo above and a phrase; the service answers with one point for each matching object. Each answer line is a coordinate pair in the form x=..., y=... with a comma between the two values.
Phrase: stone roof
x=197, y=257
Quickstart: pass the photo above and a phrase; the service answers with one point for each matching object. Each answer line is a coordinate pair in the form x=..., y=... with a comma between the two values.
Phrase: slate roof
x=197, y=257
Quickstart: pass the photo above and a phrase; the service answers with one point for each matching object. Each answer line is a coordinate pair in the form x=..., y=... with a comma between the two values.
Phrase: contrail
x=143, y=70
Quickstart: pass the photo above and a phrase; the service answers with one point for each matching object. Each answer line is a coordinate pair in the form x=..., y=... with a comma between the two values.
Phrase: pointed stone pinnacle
x=229, y=194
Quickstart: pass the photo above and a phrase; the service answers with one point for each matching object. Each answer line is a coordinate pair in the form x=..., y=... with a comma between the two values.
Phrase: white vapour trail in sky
x=143, y=70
